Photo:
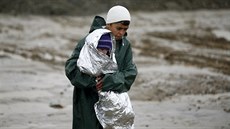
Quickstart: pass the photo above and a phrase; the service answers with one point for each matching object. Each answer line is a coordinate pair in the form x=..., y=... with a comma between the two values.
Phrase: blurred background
x=181, y=49
x=81, y=7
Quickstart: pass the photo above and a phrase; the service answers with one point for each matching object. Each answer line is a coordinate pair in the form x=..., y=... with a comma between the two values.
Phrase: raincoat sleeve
x=121, y=80
x=77, y=78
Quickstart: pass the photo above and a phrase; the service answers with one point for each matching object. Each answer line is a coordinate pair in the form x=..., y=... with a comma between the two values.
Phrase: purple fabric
x=105, y=42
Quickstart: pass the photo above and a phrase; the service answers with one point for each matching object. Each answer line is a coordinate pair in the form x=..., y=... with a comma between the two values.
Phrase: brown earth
x=182, y=59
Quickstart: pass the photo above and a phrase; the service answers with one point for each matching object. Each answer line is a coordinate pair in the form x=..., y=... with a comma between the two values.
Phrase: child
x=113, y=110
x=97, y=55
x=105, y=44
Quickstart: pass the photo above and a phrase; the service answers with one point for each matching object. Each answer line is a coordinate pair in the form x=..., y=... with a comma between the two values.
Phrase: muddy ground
x=182, y=58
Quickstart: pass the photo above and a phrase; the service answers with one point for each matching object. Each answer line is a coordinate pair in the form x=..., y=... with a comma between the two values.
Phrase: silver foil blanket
x=114, y=110
x=92, y=62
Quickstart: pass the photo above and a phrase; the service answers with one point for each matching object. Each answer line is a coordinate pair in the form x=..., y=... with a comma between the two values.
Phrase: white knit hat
x=118, y=13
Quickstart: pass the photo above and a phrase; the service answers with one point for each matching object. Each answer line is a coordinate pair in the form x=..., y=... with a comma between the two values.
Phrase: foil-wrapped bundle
x=91, y=61
x=113, y=110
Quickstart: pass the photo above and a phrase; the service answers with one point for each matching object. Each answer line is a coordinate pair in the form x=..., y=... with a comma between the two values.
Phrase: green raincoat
x=85, y=94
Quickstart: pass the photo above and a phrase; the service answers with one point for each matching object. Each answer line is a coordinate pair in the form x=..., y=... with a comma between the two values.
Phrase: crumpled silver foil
x=95, y=63
x=114, y=110
x=91, y=61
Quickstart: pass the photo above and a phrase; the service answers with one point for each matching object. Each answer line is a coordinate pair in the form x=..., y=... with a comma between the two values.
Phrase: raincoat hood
x=98, y=23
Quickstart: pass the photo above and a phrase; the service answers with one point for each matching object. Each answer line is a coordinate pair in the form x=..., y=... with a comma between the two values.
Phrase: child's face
x=103, y=50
